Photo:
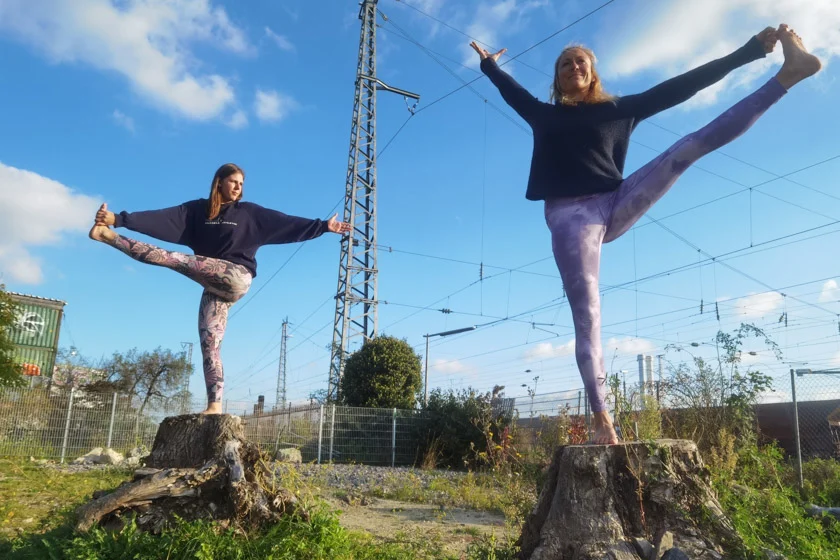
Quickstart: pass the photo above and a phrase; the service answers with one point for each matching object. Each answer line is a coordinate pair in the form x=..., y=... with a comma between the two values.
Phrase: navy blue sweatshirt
x=580, y=149
x=234, y=235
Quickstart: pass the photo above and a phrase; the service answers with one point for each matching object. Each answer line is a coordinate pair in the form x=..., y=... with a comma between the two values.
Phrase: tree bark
x=200, y=467
x=599, y=502
x=191, y=440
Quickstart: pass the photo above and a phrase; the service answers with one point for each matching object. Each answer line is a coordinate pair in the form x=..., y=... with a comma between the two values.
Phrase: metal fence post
x=320, y=431
x=67, y=424
x=394, y=440
x=111, y=425
x=586, y=413
x=796, y=430
x=332, y=432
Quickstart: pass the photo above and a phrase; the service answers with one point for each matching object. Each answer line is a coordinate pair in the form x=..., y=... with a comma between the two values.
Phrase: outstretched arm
x=683, y=87
x=514, y=94
x=168, y=224
x=275, y=227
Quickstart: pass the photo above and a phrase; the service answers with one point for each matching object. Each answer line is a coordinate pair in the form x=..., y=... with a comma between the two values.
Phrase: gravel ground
x=356, y=478
x=363, y=478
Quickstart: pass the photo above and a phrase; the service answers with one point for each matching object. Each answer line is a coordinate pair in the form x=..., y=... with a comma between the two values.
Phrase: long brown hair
x=596, y=93
x=214, y=201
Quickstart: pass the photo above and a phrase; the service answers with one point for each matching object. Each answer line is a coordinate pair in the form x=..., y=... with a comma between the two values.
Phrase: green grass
x=511, y=495
x=36, y=498
x=320, y=538
x=36, y=506
x=769, y=513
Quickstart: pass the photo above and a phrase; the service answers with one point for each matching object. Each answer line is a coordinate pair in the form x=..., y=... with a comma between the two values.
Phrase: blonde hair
x=596, y=93
x=214, y=201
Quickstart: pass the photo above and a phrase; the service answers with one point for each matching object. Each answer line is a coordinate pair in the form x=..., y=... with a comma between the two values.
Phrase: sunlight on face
x=231, y=187
x=575, y=71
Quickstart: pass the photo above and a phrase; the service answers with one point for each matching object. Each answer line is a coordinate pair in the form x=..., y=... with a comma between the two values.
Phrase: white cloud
x=547, y=350
x=673, y=37
x=431, y=7
x=830, y=292
x=450, y=367
x=238, y=120
x=272, y=106
x=37, y=211
x=123, y=120
x=492, y=20
x=146, y=41
x=628, y=345
x=281, y=41
x=758, y=305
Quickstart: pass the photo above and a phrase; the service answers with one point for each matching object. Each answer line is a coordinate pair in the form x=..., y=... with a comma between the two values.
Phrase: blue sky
x=137, y=102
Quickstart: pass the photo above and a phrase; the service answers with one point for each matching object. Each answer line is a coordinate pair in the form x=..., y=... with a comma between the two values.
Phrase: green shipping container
x=35, y=333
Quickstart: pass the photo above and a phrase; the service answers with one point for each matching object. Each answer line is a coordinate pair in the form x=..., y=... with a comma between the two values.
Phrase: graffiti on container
x=30, y=323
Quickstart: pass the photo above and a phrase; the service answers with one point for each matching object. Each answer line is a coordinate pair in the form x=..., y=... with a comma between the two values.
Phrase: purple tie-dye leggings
x=224, y=283
x=580, y=225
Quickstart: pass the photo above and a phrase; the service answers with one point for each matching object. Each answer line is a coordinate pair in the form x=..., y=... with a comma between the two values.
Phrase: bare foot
x=799, y=63
x=102, y=233
x=213, y=408
x=604, y=429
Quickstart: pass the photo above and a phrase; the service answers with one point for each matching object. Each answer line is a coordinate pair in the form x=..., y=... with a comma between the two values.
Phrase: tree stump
x=627, y=502
x=200, y=467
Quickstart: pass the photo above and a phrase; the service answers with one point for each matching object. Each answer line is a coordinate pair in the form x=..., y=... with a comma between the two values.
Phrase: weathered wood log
x=168, y=483
x=599, y=500
x=201, y=467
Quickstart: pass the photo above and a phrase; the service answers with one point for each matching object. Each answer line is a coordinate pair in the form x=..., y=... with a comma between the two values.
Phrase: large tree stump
x=200, y=467
x=626, y=502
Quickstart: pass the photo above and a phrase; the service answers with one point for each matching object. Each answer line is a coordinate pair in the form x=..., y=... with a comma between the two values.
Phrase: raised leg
x=638, y=192
x=225, y=279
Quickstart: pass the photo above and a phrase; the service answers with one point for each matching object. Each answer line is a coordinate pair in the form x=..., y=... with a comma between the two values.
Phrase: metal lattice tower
x=356, y=297
x=280, y=400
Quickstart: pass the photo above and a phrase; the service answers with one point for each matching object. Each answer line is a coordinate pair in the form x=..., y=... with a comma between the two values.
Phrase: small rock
x=643, y=547
x=740, y=489
x=289, y=455
x=664, y=543
x=772, y=555
x=110, y=457
x=675, y=554
x=138, y=452
x=132, y=461
x=817, y=511
x=89, y=458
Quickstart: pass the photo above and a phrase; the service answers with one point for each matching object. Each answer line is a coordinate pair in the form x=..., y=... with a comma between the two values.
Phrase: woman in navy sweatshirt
x=580, y=143
x=224, y=233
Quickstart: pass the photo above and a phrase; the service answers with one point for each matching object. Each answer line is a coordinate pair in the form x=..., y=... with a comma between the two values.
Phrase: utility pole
x=280, y=400
x=356, y=296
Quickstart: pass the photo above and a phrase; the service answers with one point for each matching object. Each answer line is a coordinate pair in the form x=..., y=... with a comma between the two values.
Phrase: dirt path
x=392, y=521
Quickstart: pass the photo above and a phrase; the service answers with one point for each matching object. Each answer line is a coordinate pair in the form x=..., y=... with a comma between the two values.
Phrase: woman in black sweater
x=580, y=143
x=224, y=233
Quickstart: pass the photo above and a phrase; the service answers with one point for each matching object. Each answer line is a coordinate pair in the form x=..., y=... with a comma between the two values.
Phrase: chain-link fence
x=62, y=424
x=815, y=415
x=330, y=433
x=549, y=419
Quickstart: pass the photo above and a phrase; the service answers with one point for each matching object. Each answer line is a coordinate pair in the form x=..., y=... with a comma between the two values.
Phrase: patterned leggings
x=224, y=283
x=580, y=225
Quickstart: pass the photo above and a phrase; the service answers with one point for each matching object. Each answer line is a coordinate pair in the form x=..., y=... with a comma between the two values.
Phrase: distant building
x=35, y=333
